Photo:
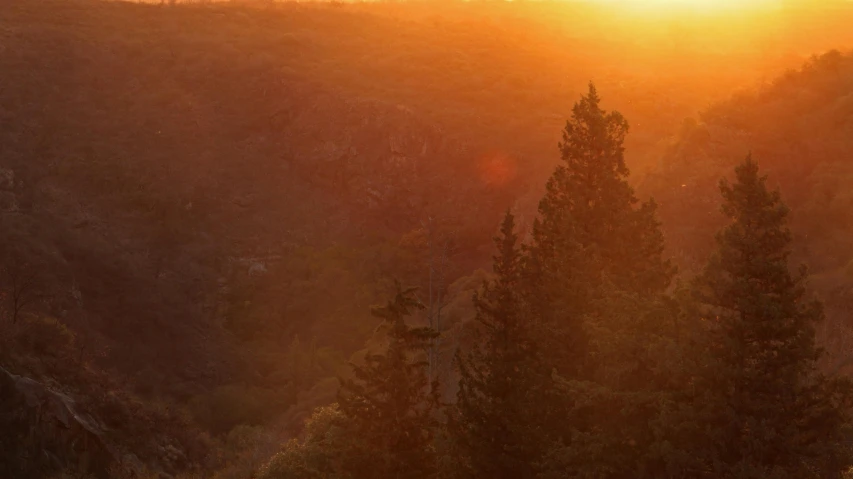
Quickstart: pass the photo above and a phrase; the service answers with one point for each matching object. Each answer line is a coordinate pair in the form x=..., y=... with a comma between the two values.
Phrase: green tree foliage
x=584, y=364
x=587, y=294
x=590, y=233
x=327, y=440
x=597, y=279
x=799, y=125
x=624, y=420
x=774, y=416
x=383, y=424
x=493, y=427
x=389, y=400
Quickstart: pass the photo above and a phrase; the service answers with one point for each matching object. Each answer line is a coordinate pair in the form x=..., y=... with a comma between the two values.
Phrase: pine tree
x=776, y=416
x=493, y=426
x=388, y=401
x=597, y=277
x=590, y=233
x=623, y=421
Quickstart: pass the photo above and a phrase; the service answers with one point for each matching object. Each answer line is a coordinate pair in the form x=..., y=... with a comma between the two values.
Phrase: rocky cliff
x=43, y=429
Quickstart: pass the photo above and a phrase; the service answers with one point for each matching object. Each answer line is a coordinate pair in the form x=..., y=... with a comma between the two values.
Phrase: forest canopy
x=586, y=363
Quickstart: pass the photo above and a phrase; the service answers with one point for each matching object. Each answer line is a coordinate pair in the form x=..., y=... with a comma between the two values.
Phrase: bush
x=326, y=441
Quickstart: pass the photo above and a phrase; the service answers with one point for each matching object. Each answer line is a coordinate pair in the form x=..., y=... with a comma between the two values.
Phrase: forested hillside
x=200, y=224
x=800, y=128
x=201, y=203
x=587, y=363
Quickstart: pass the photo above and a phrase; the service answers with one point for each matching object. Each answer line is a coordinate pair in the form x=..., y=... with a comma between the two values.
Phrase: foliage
x=328, y=439
x=220, y=239
x=383, y=423
x=777, y=416
x=575, y=358
x=391, y=400
x=589, y=235
x=494, y=418
x=236, y=203
x=798, y=124
x=583, y=362
x=598, y=277
x=655, y=392
x=245, y=450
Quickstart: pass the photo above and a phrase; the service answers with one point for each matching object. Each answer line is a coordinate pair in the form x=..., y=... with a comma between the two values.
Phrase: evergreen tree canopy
x=582, y=301
x=388, y=401
x=775, y=414
x=585, y=365
x=494, y=427
x=590, y=232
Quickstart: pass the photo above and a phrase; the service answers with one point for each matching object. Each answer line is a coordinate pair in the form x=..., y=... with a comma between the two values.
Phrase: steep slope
x=180, y=202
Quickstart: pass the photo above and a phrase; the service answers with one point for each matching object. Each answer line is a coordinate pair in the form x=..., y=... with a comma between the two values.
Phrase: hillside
x=800, y=128
x=206, y=199
x=187, y=213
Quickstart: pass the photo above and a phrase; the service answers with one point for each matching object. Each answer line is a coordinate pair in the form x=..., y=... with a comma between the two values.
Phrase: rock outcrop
x=44, y=429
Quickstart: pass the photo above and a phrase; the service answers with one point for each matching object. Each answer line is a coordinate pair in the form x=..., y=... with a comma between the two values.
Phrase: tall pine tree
x=774, y=416
x=493, y=424
x=388, y=403
x=590, y=233
x=593, y=247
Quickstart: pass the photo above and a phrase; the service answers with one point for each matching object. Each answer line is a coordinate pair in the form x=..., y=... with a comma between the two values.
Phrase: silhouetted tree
x=494, y=426
x=589, y=233
x=594, y=273
x=389, y=402
x=773, y=415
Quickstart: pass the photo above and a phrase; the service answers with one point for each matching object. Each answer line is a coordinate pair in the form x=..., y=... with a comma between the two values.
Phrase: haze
x=428, y=239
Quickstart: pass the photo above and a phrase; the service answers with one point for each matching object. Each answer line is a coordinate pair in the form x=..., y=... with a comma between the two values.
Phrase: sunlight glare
x=702, y=6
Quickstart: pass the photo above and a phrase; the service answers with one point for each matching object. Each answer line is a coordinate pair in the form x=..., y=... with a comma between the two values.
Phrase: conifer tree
x=774, y=415
x=493, y=426
x=388, y=401
x=590, y=232
x=596, y=278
